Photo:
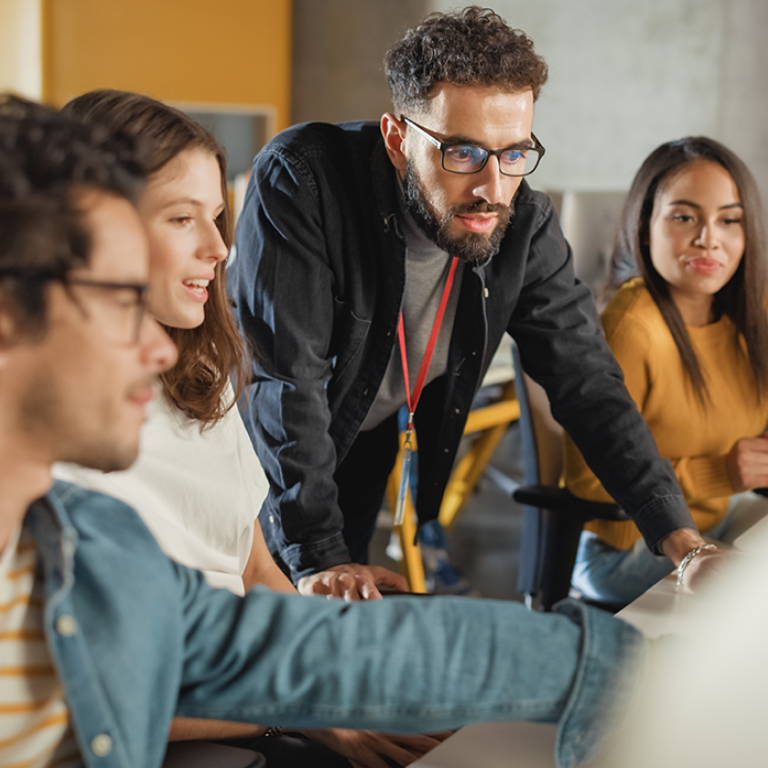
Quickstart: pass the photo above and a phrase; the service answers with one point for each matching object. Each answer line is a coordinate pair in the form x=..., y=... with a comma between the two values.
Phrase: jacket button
x=66, y=626
x=457, y=411
x=272, y=519
x=101, y=745
x=365, y=391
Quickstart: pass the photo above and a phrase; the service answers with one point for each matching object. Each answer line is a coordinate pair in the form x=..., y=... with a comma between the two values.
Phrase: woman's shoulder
x=632, y=307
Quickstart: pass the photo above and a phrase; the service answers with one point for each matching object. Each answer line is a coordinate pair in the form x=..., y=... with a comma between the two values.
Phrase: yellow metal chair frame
x=491, y=421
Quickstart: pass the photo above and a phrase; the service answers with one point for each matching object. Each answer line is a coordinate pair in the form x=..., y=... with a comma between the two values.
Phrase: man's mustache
x=480, y=206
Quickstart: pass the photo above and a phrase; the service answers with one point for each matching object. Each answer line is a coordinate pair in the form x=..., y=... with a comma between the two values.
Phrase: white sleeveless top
x=199, y=493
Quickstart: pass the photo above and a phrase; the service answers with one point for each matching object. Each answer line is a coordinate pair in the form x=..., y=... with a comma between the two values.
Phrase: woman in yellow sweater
x=691, y=335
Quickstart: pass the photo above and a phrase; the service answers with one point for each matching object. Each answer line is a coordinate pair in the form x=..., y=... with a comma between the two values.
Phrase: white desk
x=661, y=610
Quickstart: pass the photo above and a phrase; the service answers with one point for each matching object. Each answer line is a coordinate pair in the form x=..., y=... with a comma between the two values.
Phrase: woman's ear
x=393, y=131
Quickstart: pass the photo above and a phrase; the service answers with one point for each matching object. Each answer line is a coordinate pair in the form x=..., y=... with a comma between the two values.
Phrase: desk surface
x=661, y=610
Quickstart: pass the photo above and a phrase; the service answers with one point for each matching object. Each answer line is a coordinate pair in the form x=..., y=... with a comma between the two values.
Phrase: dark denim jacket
x=318, y=282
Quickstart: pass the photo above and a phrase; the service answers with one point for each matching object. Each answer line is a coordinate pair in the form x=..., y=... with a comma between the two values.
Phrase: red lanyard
x=413, y=399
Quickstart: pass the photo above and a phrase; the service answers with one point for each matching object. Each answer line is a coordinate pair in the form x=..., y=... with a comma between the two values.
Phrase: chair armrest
x=562, y=500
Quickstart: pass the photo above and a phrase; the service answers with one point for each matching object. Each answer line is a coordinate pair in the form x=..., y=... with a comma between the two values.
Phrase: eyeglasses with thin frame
x=471, y=158
x=130, y=315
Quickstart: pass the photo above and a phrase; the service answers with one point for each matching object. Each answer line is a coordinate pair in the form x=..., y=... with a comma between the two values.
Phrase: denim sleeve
x=612, y=652
x=282, y=286
x=404, y=665
x=563, y=348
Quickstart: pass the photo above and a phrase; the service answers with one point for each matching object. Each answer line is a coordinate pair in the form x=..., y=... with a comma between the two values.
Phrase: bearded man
x=350, y=237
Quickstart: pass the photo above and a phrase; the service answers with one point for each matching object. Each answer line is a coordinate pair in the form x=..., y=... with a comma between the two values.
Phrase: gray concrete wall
x=338, y=46
x=625, y=76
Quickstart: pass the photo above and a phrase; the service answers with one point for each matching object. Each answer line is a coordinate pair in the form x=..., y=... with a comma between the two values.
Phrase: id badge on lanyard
x=405, y=475
x=413, y=399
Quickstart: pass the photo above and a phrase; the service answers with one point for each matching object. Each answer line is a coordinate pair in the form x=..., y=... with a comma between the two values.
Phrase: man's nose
x=492, y=186
x=158, y=351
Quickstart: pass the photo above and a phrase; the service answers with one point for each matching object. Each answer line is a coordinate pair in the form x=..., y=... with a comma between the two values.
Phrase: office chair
x=553, y=517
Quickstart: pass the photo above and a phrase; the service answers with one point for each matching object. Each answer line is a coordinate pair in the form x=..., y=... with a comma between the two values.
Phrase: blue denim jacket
x=136, y=638
x=318, y=283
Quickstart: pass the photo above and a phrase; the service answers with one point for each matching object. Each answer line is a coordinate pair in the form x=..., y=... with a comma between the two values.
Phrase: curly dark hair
x=44, y=152
x=472, y=47
x=45, y=159
x=40, y=240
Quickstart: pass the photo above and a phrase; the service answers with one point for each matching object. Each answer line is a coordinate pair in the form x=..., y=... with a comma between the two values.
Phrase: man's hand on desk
x=366, y=749
x=709, y=561
x=352, y=582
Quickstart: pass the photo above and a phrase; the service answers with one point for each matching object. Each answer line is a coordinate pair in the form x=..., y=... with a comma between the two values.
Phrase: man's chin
x=108, y=458
x=472, y=247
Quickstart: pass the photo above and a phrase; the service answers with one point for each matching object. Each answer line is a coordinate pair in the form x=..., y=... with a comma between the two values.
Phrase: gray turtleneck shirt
x=426, y=270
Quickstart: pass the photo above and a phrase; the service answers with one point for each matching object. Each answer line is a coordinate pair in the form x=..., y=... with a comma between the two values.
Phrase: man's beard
x=474, y=247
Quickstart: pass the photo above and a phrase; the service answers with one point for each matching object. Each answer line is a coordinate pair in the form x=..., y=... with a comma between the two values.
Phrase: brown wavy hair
x=472, y=47
x=210, y=353
x=744, y=298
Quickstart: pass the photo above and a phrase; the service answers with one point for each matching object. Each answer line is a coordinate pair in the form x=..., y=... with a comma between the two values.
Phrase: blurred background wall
x=231, y=52
x=625, y=75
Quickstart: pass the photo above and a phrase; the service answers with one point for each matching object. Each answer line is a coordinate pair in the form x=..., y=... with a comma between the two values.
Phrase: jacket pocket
x=349, y=332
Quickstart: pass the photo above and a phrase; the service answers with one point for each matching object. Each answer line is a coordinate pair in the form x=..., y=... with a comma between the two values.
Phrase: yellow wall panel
x=231, y=51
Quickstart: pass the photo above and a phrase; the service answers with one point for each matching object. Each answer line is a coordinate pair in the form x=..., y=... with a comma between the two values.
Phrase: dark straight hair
x=743, y=298
x=213, y=350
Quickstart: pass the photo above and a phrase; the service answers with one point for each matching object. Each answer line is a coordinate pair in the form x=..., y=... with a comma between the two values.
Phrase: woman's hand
x=366, y=749
x=747, y=463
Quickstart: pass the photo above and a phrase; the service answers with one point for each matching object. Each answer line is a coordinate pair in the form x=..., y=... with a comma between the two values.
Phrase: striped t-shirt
x=34, y=718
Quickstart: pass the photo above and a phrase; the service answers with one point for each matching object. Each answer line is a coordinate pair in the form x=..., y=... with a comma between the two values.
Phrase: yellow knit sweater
x=694, y=437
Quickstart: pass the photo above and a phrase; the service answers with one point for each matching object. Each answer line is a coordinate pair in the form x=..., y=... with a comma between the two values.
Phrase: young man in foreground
x=112, y=638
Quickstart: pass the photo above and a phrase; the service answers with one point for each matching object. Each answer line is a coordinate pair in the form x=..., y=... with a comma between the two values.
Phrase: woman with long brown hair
x=689, y=326
x=197, y=483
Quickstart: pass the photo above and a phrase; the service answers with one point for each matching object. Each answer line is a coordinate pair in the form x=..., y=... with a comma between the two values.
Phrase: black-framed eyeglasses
x=132, y=309
x=126, y=313
x=471, y=158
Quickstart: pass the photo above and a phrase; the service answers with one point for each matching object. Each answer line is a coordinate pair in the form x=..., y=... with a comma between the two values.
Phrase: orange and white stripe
x=35, y=729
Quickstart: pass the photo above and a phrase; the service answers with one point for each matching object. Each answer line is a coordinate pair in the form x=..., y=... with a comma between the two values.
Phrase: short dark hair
x=209, y=353
x=472, y=47
x=40, y=240
x=743, y=298
x=44, y=152
x=46, y=159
